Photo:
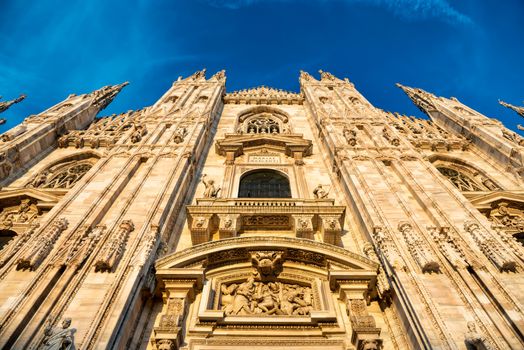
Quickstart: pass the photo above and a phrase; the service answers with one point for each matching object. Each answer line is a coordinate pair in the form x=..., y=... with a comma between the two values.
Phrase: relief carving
x=271, y=298
x=267, y=263
x=25, y=213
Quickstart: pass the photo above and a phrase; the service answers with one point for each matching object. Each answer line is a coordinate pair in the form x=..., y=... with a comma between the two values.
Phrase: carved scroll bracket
x=229, y=225
x=180, y=287
x=364, y=328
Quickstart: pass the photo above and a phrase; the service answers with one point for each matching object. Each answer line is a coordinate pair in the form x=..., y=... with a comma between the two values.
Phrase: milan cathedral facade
x=261, y=219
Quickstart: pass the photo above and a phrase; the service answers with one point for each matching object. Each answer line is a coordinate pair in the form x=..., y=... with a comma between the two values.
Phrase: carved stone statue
x=475, y=340
x=319, y=192
x=211, y=191
x=179, y=135
x=267, y=263
x=59, y=338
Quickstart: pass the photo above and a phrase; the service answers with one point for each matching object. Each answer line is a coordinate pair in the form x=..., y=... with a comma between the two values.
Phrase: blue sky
x=471, y=49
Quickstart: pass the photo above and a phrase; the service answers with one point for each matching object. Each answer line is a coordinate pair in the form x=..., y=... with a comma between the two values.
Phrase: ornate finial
x=5, y=105
x=219, y=75
x=519, y=110
x=305, y=76
x=326, y=75
x=421, y=98
x=199, y=74
x=104, y=96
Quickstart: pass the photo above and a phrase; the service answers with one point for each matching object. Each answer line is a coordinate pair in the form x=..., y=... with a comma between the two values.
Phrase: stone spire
x=104, y=96
x=5, y=105
x=422, y=99
x=519, y=110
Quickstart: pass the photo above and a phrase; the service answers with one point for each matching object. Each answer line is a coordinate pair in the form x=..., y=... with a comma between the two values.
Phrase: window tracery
x=459, y=180
x=263, y=120
x=63, y=175
x=262, y=125
x=264, y=183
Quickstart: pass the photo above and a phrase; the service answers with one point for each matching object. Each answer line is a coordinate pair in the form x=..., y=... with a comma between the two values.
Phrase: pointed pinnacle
x=5, y=105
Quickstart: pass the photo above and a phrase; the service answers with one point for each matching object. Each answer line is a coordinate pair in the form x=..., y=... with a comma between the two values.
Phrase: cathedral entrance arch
x=233, y=288
x=264, y=183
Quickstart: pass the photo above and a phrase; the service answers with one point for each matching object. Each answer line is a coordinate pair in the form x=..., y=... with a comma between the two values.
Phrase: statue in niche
x=475, y=340
x=211, y=191
x=136, y=136
x=58, y=338
x=320, y=193
x=179, y=135
x=266, y=298
x=350, y=135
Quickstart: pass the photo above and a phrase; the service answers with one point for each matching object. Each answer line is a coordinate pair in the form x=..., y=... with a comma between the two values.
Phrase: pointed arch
x=65, y=172
x=463, y=175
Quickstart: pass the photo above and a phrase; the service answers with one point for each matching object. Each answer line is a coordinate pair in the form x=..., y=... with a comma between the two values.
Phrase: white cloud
x=407, y=9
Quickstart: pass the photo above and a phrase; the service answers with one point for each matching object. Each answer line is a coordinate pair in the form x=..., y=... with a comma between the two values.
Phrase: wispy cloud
x=414, y=10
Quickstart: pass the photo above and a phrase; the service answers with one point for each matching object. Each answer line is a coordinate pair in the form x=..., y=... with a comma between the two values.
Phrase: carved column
x=492, y=249
x=42, y=245
x=304, y=226
x=364, y=330
x=113, y=249
x=418, y=248
x=177, y=296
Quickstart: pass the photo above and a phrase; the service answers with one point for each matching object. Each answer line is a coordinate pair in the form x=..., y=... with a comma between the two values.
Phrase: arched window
x=262, y=125
x=5, y=237
x=264, y=184
x=461, y=181
x=63, y=175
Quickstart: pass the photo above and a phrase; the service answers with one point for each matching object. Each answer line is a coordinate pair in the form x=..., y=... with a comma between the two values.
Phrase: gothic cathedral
x=261, y=219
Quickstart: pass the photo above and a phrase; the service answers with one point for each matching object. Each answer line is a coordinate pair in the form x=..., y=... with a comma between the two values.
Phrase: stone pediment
x=237, y=249
x=487, y=200
x=43, y=198
x=263, y=95
x=293, y=145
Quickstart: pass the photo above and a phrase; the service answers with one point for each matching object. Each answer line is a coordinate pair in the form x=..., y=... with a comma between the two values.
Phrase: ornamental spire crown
x=519, y=110
x=6, y=104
